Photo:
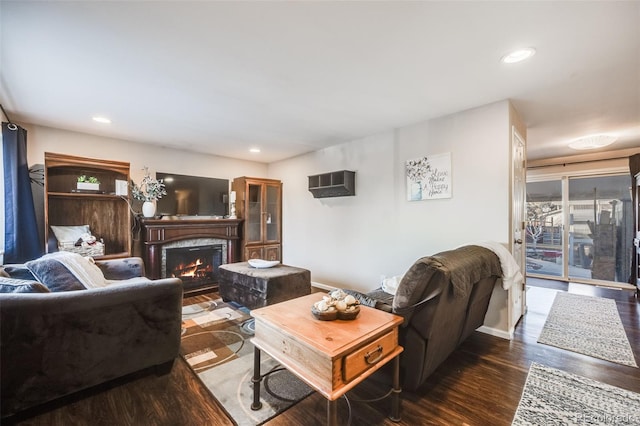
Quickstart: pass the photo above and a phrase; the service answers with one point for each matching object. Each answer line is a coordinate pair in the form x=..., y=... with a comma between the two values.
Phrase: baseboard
x=322, y=286
x=495, y=332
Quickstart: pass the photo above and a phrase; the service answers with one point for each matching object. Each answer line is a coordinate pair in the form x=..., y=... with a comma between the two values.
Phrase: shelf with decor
x=333, y=184
x=104, y=212
x=84, y=195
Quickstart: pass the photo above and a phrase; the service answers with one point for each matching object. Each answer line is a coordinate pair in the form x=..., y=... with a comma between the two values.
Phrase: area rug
x=215, y=343
x=555, y=397
x=587, y=325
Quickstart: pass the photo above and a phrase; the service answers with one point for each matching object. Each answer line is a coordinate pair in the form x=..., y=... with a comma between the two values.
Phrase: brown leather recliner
x=443, y=299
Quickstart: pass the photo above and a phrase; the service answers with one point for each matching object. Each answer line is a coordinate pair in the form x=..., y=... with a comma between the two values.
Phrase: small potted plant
x=88, y=183
x=149, y=191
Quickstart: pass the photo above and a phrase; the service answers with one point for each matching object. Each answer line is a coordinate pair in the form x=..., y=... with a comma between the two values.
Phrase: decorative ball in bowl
x=328, y=315
x=350, y=313
x=336, y=305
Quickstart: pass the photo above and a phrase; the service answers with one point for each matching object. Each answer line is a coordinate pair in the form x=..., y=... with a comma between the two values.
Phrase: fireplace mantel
x=157, y=232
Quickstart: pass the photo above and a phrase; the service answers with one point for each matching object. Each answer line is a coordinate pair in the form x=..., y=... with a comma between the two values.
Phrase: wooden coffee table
x=330, y=356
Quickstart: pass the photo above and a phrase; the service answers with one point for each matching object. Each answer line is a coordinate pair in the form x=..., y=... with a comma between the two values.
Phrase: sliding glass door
x=597, y=243
x=601, y=228
x=544, y=228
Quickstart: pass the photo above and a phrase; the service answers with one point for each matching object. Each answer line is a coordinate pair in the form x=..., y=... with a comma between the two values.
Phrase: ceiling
x=293, y=77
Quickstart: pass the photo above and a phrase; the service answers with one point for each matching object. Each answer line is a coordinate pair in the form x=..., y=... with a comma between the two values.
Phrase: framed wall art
x=429, y=177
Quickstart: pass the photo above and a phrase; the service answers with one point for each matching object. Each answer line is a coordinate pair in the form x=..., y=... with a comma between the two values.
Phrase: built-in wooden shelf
x=107, y=214
x=86, y=195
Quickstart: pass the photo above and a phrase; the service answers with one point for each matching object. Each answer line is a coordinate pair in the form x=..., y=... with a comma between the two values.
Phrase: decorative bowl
x=324, y=315
x=349, y=314
x=261, y=263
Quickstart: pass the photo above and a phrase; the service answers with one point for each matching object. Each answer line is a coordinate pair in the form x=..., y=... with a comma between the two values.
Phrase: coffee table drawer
x=368, y=355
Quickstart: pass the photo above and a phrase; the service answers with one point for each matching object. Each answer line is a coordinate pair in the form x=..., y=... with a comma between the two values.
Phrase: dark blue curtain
x=21, y=239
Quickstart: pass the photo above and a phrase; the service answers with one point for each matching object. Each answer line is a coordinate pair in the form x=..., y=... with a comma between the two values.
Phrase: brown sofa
x=443, y=299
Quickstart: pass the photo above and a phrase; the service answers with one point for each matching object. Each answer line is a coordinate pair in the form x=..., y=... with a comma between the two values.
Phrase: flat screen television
x=193, y=196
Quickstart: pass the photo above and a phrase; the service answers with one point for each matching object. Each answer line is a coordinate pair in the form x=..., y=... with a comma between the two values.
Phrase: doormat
x=587, y=325
x=215, y=343
x=555, y=397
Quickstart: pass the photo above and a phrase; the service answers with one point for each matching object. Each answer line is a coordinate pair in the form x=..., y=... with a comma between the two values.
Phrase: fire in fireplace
x=194, y=265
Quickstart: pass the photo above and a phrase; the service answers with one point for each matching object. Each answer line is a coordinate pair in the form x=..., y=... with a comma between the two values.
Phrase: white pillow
x=70, y=233
x=390, y=285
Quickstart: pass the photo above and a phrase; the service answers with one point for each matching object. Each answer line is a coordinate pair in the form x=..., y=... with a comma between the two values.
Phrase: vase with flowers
x=149, y=191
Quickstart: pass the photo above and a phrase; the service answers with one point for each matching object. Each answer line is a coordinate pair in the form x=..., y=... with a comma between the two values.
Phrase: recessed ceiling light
x=254, y=150
x=518, y=55
x=592, y=141
x=103, y=120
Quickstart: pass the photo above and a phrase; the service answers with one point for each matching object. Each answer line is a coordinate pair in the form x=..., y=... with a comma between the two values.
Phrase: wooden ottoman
x=258, y=287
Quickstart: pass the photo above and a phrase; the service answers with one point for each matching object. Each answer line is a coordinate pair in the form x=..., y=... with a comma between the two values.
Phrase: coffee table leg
x=332, y=412
x=395, y=393
x=256, y=405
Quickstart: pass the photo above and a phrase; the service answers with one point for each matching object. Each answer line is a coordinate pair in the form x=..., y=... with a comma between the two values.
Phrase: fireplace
x=162, y=236
x=195, y=266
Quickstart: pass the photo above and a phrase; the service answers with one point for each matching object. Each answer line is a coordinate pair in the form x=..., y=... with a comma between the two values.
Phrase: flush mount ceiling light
x=592, y=142
x=103, y=120
x=254, y=150
x=518, y=55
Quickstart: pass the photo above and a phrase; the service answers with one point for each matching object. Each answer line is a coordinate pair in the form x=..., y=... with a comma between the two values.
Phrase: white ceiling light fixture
x=102, y=120
x=254, y=150
x=592, y=141
x=518, y=55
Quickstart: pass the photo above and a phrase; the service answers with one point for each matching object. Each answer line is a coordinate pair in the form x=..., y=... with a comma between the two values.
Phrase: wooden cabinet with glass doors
x=259, y=203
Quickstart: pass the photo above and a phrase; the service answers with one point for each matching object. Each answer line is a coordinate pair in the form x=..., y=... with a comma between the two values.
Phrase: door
x=636, y=241
x=600, y=234
x=544, y=228
x=517, y=295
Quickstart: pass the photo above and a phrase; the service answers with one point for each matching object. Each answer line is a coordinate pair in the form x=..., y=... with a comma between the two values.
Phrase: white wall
x=352, y=241
x=46, y=139
x=42, y=139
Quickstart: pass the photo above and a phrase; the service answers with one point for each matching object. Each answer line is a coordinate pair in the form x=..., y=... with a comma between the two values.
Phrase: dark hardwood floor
x=479, y=384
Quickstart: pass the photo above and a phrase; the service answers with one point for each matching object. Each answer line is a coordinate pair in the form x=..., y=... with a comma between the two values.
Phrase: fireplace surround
x=162, y=236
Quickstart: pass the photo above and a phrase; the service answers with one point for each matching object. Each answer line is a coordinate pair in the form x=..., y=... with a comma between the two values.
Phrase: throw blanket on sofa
x=63, y=271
